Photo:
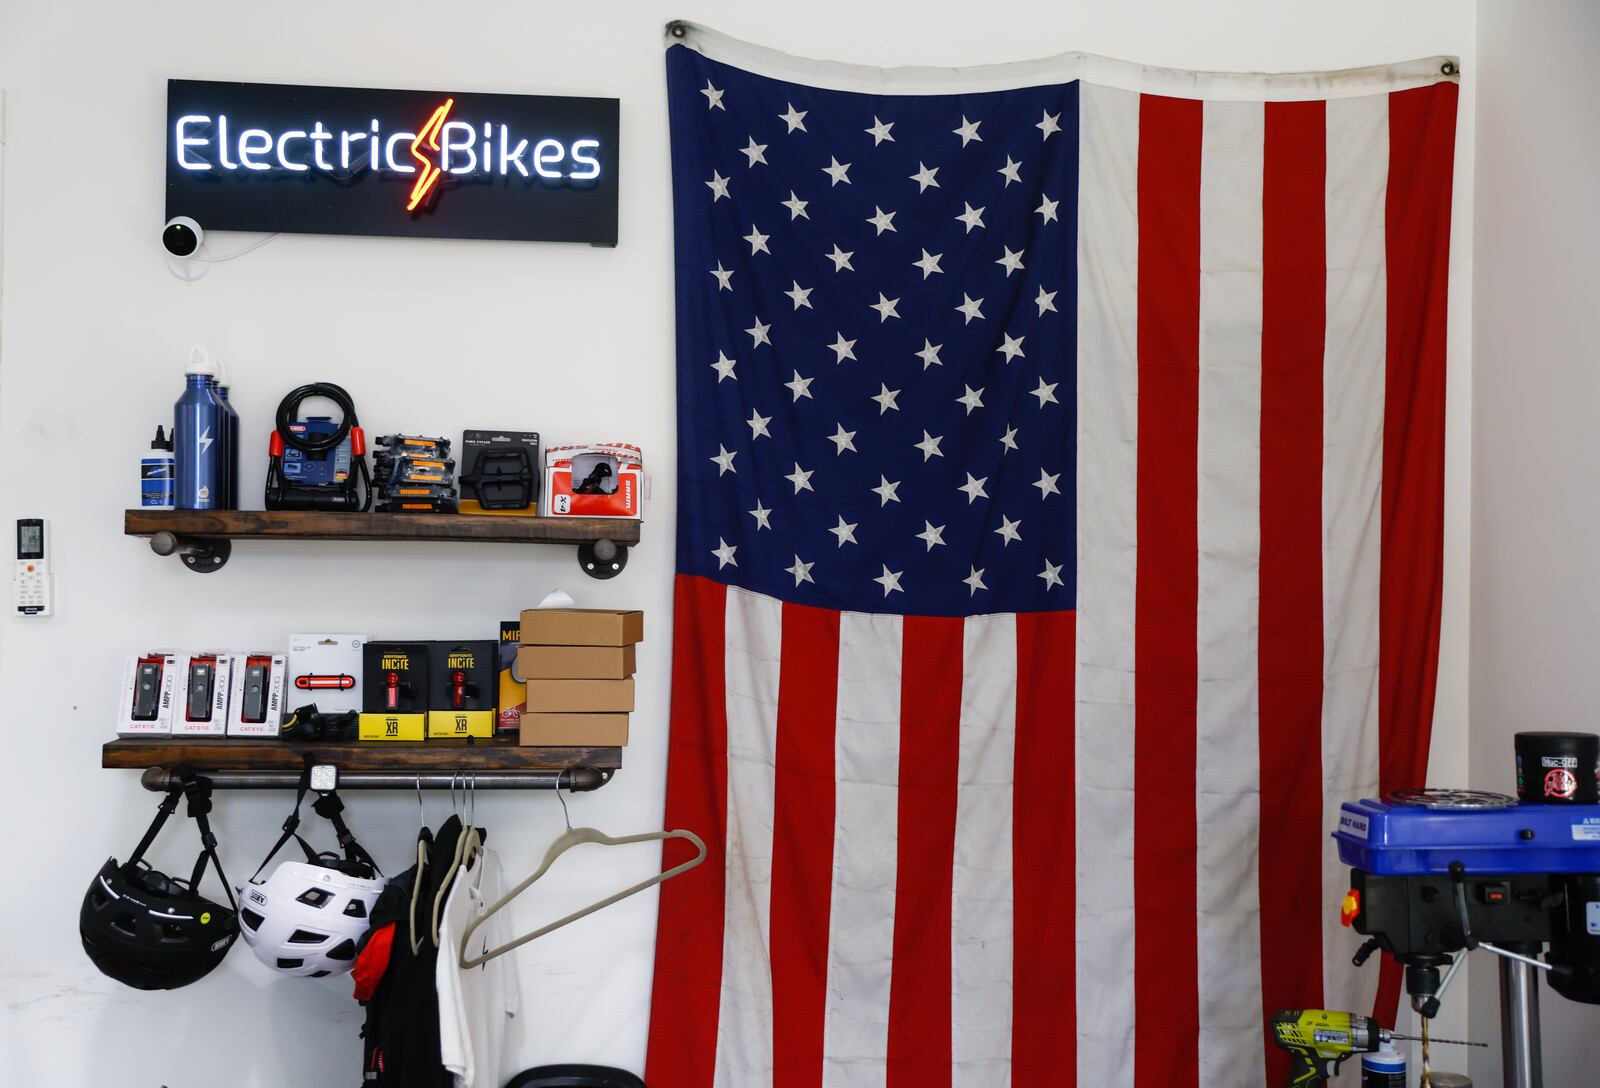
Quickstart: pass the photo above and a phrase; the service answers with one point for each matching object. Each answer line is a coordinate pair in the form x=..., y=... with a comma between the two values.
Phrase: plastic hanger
x=469, y=844
x=422, y=865
x=576, y=836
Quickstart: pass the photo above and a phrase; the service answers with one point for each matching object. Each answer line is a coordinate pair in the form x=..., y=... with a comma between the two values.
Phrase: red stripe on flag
x=1293, y=324
x=1044, y=969
x=688, y=976
x=1422, y=138
x=802, y=843
x=1166, y=596
x=930, y=735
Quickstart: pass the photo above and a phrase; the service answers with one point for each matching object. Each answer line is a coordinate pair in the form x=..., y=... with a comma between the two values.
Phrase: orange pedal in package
x=598, y=481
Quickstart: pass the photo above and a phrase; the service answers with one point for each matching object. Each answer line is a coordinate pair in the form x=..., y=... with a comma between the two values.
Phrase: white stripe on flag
x=1227, y=713
x=754, y=642
x=1107, y=484
x=982, y=908
x=865, y=851
x=1352, y=480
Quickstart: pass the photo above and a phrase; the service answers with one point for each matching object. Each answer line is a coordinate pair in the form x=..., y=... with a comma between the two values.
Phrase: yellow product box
x=378, y=726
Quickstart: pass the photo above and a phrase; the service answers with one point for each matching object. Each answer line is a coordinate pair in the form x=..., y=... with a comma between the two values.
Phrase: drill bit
x=1433, y=1039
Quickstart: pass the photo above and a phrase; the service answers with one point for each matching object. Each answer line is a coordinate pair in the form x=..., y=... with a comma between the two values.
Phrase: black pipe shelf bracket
x=203, y=539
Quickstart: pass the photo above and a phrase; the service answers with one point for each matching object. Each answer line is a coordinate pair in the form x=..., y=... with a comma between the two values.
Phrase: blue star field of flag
x=876, y=342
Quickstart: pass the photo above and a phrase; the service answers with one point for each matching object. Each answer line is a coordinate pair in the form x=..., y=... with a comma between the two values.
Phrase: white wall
x=1536, y=518
x=575, y=342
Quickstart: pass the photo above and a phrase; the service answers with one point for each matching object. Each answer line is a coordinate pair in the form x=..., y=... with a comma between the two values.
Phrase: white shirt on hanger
x=475, y=1003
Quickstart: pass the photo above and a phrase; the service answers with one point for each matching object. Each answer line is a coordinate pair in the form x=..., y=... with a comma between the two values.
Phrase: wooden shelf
x=202, y=538
x=437, y=756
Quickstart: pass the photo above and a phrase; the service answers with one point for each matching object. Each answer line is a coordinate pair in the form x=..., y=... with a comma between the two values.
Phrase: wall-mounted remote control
x=32, y=578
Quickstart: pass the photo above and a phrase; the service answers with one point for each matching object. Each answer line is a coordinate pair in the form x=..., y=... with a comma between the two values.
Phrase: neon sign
x=340, y=160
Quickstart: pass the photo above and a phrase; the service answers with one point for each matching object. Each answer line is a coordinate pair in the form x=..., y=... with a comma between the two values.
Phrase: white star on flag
x=843, y=349
x=1010, y=171
x=1046, y=483
x=1051, y=574
x=724, y=553
x=880, y=131
x=800, y=387
x=970, y=307
x=801, y=571
x=968, y=131
x=925, y=177
x=1008, y=529
x=845, y=531
x=761, y=514
x=1046, y=393
x=757, y=240
x=796, y=206
x=718, y=186
x=838, y=171
x=795, y=119
x=930, y=353
x=843, y=440
x=885, y=307
x=881, y=219
x=1046, y=301
x=758, y=333
x=1046, y=208
x=1051, y=123
x=886, y=399
x=972, y=217
x=887, y=492
x=758, y=425
x=841, y=259
x=801, y=478
x=724, y=367
x=929, y=263
x=974, y=488
x=890, y=581
x=1012, y=347
x=931, y=534
x=755, y=152
x=929, y=446
x=713, y=97
x=1010, y=261
x=724, y=277
x=800, y=296
x=974, y=581
x=1009, y=439
x=973, y=398
x=724, y=460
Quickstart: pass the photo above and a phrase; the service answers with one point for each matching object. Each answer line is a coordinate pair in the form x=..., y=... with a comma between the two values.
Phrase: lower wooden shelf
x=266, y=763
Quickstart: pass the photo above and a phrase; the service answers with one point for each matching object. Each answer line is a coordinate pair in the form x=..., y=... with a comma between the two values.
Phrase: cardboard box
x=587, y=696
x=258, y=711
x=463, y=687
x=575, y=662
x=200, y=705
x=513, y=694
x=155, y=675
x=575, y=730
x=599, y=481
x=580, y=627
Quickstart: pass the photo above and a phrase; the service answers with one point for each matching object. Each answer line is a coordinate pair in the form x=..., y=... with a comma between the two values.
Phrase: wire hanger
x=577, y=836
x=469, y=844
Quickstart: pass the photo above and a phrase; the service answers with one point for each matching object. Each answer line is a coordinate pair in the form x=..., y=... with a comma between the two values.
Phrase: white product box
x=258, y=680
x=153, y=676
x=210, y=719
x=326, y=670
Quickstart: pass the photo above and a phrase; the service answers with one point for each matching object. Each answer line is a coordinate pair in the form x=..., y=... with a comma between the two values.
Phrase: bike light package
x=146, y=695
x=255, y=696
x=463, y=688
x=324, y=669
x=596, y=481
x=201, y=706
x=394, y=691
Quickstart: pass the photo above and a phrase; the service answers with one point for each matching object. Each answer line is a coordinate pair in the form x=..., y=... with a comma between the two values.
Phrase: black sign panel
x=436, y=164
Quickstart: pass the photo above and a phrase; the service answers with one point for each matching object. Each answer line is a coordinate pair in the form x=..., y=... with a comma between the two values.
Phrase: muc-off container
x=1385, y=1068
x=1557, y=768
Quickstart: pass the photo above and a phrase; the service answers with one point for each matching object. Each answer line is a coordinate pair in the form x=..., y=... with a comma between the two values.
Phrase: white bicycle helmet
x=308, y=916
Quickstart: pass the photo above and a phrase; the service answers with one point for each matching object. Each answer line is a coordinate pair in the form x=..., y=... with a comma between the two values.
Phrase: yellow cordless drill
x=1320, y=1039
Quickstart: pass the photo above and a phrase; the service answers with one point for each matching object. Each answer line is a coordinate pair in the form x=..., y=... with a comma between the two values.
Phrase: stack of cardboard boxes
x=578, y=666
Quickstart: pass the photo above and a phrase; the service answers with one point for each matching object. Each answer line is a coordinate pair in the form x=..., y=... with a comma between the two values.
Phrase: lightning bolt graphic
x=428, y=173
x=206, y=440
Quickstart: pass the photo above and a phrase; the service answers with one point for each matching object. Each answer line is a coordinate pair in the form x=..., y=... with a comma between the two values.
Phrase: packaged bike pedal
x=414, y=445
x=326, y=670
x=146, y=695
x=202, y=709
x=394, y=691
x=463, y=688
x=255, y=699
x=500, y=472
x=409, y=470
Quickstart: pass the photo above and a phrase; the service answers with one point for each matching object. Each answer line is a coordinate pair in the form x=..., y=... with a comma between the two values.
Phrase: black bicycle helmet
x=151, y=931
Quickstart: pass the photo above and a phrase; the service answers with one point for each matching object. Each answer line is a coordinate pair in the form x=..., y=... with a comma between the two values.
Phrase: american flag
x=1059, y=543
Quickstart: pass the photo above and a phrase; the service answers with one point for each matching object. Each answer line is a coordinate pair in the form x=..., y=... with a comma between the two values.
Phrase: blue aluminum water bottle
x=198, y=428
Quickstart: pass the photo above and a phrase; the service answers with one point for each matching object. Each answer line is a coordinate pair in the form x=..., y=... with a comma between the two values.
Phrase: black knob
x=1526, y=834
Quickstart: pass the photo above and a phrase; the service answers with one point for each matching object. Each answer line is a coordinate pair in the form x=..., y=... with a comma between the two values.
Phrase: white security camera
x=182, y=236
